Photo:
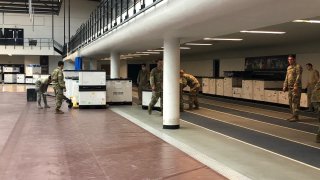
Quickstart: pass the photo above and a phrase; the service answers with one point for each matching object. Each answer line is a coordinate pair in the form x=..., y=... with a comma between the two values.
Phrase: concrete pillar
x=115, y=65
x=171, y=85
x=93, y=64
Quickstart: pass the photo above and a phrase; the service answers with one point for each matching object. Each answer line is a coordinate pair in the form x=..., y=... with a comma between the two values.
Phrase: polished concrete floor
x=36, y=144
x=238, y=140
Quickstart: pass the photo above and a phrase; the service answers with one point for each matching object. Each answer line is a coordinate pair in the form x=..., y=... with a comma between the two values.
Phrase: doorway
x=133, y=70
x=216, y=68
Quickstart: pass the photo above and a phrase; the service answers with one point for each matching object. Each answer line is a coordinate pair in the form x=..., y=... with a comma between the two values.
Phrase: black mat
x=257, y=104
x=299, y=152
x=298, y=126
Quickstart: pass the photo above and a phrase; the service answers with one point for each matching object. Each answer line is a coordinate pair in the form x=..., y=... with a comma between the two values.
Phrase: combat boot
x=294, y=118
x=58, y=111
x=196, y=103
x=46, y=106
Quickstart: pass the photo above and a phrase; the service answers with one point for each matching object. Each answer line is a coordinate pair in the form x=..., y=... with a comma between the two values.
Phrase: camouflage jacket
x=156, y=79
x=315, y=97
x=189, y=80
x=313, y=78
x=42, y=84
x=293, y=77
x=143, y=77
x=58, y=78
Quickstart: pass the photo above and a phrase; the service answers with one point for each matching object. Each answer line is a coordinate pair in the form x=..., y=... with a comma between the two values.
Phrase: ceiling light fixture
x=180, y=47
x=141, y=54
x=307, y=21
x=198, y=44
x=156, y=50
x=264, y=32
x=185, y=48
x=149, y=52
x=222, y=39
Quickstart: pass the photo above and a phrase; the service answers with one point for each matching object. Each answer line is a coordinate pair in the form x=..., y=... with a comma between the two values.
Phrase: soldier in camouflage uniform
x=313, y=78
x=315, y=100
x=292, y=84
x=143, y=81
x=41, y=88
x=194, y=85
x=59, y=86
x=156, y=82
x=183, y=84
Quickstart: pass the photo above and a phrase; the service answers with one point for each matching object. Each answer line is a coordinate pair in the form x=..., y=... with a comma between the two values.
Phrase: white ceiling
x=191, y=21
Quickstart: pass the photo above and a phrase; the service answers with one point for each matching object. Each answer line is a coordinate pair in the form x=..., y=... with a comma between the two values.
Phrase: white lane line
x=265, y=114
x=253, y=129
x=229, y=137
x=193, y=152
x=257, y=121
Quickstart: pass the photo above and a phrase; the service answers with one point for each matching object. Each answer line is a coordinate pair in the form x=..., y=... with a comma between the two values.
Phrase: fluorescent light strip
x=157, y=50
x=141, y=54
x=198, y=44
x=185, y=48
x=307, y=21
x=222, y=39
x=149, y=52
x=264, y=32
x=180, y=47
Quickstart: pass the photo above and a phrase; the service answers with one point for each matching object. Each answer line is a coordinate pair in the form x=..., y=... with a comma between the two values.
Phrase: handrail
x=109, y=15
x=58, y=45
x=26, y=42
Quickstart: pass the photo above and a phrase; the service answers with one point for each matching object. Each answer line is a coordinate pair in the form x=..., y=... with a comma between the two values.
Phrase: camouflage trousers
x=59, y=96
x=39, y=95
x=181, y=98
x=309, y=94
x=316, y=106
x=294, y=101
x=193, y=97
x=154, y=99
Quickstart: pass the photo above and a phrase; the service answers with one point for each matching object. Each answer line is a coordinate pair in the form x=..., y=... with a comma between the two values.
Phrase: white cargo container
x=247, y=89
x=259, y=87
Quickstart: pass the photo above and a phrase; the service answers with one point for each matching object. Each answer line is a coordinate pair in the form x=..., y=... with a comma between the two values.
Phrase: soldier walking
x=292, y=84
x=142, y=81
x=315, y=100
x=313, y=78
x=156, y=82
x=193, y=83
x=59, y=86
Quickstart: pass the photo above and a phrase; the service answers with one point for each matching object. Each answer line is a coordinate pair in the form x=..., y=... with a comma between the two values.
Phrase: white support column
x=115, y=65
x=171, y=85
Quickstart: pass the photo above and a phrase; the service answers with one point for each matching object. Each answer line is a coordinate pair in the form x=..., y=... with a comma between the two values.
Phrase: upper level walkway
x=128, y=29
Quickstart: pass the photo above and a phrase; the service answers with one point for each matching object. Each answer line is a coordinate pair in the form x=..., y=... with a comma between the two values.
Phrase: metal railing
x=109, y=15
x=27, y=42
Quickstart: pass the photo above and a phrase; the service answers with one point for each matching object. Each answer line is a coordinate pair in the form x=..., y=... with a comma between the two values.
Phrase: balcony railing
x=26, y=42
x=106, y=17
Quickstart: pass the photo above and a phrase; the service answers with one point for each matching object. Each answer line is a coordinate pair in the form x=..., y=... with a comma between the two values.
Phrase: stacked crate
x=260, y=86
